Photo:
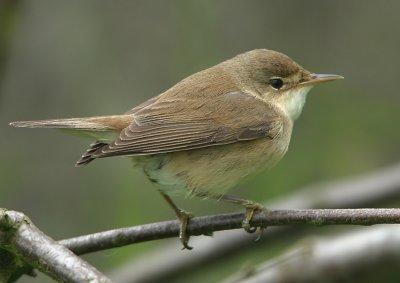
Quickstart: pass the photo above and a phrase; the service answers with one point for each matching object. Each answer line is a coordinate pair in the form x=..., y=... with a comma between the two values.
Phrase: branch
x=20, y=237
x=30, y=246
x=335, y=258
x=365, y=190
x=206, y=225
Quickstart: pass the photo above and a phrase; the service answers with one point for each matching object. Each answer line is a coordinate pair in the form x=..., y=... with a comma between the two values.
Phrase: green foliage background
x=82, y=58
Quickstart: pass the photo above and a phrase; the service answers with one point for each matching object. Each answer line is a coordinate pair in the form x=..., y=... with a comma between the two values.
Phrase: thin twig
x=208, y=224
x=369, y=189
x=22, y=239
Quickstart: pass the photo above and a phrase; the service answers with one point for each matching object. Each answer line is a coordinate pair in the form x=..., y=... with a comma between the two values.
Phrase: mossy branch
x=25, y=245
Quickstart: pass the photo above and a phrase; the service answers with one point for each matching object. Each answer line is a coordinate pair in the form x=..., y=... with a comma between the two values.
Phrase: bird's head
x=276, y=78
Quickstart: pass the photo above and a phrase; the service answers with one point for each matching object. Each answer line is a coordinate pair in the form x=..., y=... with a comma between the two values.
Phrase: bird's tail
x=102, y=128
x=96, y=124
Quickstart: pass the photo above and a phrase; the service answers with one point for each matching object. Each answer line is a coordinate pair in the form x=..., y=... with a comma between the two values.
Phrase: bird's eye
x=276, y=83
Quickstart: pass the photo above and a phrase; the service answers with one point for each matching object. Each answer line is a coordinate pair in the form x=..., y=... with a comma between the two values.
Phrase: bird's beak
x=321, y=78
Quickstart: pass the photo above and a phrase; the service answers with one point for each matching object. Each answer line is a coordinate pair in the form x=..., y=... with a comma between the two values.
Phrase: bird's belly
x=213, y=170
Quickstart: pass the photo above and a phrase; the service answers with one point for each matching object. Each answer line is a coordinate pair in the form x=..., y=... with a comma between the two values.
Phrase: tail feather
x=101, y=123
x=88, y=155
x=102, y=127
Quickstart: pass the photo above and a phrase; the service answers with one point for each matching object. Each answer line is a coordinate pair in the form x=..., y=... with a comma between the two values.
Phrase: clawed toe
x=251, y=209
x=183, y=218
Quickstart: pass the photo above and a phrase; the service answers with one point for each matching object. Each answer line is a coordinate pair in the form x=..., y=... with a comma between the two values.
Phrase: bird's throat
x=292, y=102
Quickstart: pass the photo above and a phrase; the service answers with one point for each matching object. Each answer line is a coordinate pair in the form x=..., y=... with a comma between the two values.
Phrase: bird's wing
x=178, y=124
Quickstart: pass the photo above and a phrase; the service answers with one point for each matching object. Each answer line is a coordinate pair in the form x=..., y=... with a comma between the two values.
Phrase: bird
x=208, y=132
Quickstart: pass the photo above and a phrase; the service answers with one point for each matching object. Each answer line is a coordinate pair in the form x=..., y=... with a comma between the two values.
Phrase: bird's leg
x=251, y=208
x=183, y=218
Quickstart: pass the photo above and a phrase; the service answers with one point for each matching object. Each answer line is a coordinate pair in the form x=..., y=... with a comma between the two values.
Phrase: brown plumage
x=158, y=129
x=232, y=102
x=206, y=109
x=209, y=131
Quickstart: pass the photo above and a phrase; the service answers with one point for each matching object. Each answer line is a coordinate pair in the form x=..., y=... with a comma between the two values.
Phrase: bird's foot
x=184, y=218
x=251, y=209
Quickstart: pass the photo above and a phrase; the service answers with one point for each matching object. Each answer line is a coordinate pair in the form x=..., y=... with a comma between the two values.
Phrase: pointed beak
x=321, y=78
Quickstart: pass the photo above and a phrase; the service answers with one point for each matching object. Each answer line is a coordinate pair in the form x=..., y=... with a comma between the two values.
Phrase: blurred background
x=82, y=58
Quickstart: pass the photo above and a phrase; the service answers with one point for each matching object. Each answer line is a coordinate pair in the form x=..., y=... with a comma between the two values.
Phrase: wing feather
x=182, y=124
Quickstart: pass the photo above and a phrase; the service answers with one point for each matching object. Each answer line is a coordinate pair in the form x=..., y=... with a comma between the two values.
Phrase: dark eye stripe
x=276, y=83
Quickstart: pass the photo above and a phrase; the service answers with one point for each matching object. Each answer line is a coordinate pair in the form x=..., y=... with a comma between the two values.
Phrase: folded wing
x=176, y=124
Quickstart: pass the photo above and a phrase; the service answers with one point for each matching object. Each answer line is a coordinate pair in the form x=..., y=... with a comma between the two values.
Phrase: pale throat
x=293, y=101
